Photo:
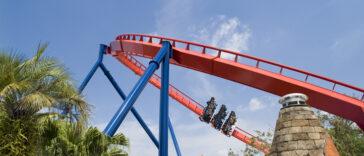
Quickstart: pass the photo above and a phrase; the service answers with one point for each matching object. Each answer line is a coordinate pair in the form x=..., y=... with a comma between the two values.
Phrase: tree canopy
x=42, y=113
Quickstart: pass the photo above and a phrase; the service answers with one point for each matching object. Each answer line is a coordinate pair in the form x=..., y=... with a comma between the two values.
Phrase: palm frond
x=32, y=103
x=37, y=56
x=32, y=91
x=40, y=51
x=119, y=139
x=14, y=88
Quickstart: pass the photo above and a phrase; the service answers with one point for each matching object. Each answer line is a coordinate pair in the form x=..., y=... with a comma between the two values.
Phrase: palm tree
x=31, y=89
x=97, y=143
x=63, y=138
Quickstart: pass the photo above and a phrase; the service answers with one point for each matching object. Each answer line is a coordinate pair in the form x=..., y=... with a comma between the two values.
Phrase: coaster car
x=230, y=121
x=208, y=111
x=218, y=118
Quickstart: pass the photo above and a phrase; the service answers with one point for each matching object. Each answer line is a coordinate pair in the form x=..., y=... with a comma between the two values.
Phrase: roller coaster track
x=187, y=101
x=232, y=66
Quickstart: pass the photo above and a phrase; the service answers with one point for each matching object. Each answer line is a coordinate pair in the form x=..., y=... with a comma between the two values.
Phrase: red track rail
x=185, y=55
x=187, y=101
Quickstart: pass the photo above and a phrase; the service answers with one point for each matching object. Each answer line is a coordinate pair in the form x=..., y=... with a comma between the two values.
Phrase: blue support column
x=94, y=68
x=163, y=55
x=121, y=113
x=102, y=50
x=174, y=138
x=163, y=111
x=133, y=110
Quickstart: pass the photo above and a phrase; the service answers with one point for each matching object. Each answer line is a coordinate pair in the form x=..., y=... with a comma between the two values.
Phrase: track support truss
x=162, y=58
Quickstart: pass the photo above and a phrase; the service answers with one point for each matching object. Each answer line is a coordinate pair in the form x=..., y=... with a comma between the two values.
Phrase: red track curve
x=185, y=55
x=187, y=101
x=276, y=83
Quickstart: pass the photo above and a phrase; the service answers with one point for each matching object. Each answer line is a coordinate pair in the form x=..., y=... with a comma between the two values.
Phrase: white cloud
x=223, y=32
x=347, y=46
x=196, y=138
x=256, y=104
x=226, y=33
x=219, y=31
x=231, y=35
x=170, y=20
x=203, y=86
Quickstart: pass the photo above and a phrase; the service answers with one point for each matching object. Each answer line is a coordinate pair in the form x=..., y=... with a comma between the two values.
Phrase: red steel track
x=187, y=101
x=228, y=65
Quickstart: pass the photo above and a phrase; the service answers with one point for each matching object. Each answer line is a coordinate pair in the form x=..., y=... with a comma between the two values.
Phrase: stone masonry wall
x=298, y=133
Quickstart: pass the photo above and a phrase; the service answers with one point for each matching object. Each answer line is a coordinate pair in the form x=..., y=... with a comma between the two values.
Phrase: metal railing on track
x=236, y=56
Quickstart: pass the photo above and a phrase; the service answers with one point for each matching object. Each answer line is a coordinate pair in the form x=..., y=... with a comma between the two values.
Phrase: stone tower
x=298, y=131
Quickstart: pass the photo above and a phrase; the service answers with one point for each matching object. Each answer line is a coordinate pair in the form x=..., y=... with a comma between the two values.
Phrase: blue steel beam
x=163, y=111
x=102, y=50
x=137, y=116
x=133, y=110
x=121, y=113
x=164, y=100
x=174, y=138
x=94, y=68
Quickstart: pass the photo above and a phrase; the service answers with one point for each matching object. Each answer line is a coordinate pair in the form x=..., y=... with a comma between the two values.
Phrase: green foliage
x=28, y=86
x=347, y=136
x=32, y=93
x=96, y=143
x=17, y=136
x=264, y=137
x=68, y=140
x=232, y=153
x=61, y=138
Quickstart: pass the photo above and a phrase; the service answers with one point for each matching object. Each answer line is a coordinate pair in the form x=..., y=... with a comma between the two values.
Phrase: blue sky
x=324, y=37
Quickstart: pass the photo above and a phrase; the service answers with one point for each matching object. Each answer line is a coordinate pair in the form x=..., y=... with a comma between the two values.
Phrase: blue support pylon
x=164, y=107
x=117, y=88
x=133, y=110
x=174, y=138
x=163, y=56
x=121, y=113
x=138, y=117
x=102, y=50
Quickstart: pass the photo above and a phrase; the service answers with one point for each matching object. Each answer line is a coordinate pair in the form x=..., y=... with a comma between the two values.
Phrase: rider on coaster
x=227, y=127
x=218, y=118
x=209, y=110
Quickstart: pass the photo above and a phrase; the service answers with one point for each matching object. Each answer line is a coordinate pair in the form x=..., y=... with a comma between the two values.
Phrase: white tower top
x=293, y=99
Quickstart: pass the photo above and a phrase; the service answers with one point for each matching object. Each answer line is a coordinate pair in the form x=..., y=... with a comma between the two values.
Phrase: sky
x=321, y=36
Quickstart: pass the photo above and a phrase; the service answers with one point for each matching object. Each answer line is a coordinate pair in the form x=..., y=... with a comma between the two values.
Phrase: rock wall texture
x=298, y=132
